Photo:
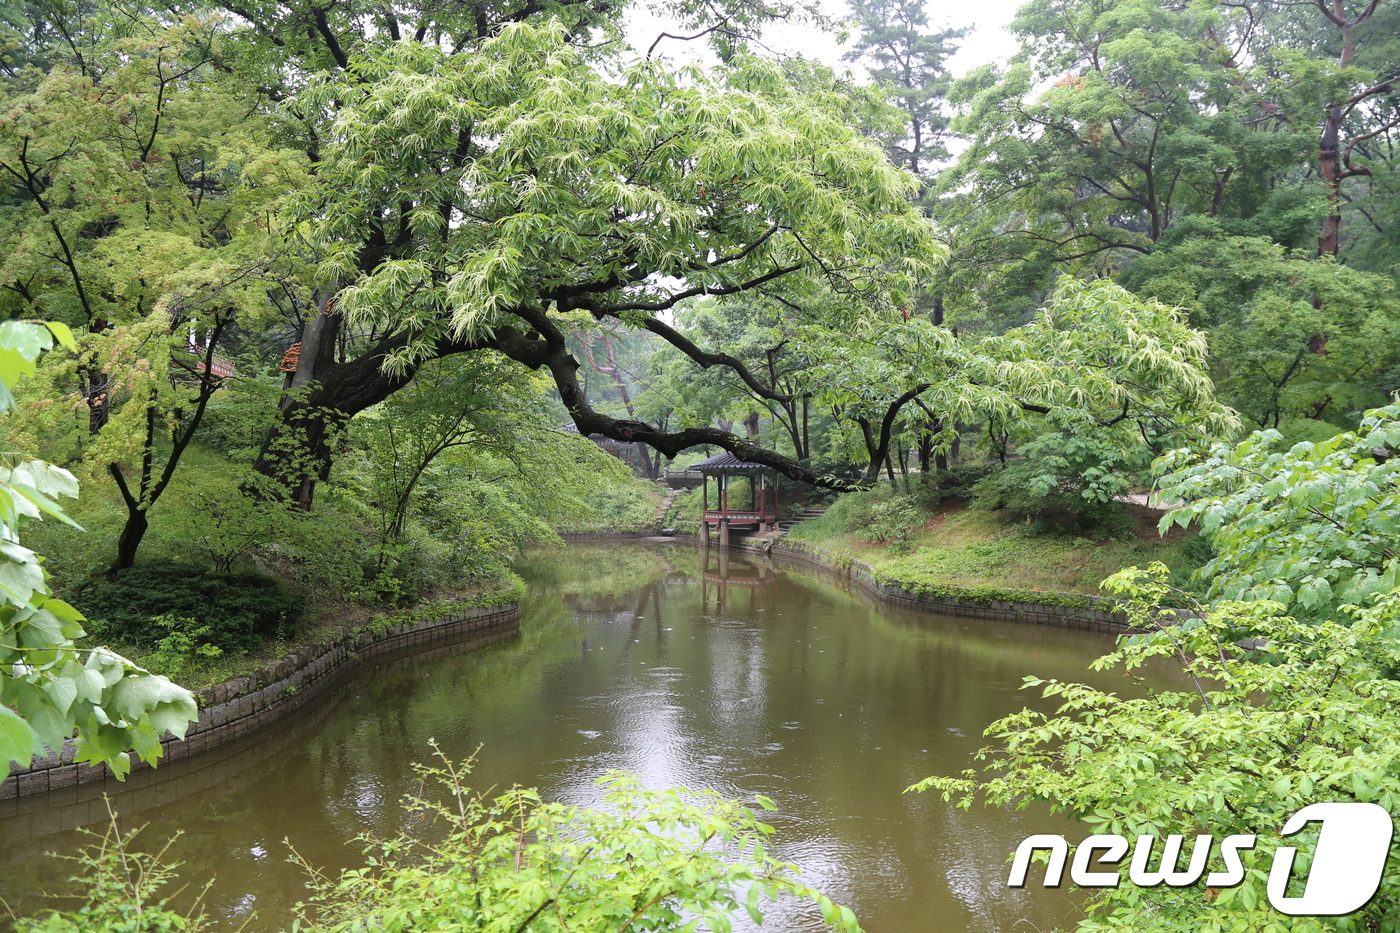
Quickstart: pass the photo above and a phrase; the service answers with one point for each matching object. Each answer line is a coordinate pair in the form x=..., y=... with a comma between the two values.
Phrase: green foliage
x=47, y=687
x=1097, y=383
x=1080, y=461
x=907, y=62
x=1009, y=488
x=118, y=218
x=1026, y=488
x=1312, y=527
x=452, y=474
x=963, y=551
x=893, y=520
x=648, y=861
x=463, y=533
x=682, y=166
x=181, y=652
x=878, y=515
x=75, y=552
x=653, y=860
x=210, y=516
x=629, y=506
x=683, y=514
x=956, y=482
x=1292, y=336
x=125, y=890
x=239, y=610
x=512, y=591
x=1252, y=736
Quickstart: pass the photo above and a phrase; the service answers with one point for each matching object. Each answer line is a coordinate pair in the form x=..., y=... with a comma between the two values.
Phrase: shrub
x=648, y=861
x=878, y=515
x=893, y=520
x=240, y=609
x=625, y=507
x=1020, y=488
x=956, y=482
x=182, y=651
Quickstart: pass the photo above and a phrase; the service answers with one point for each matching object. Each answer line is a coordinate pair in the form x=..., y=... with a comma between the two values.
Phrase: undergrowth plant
x=1272, y=714
x=647, y=861
x=672, y=860
x=124, y=889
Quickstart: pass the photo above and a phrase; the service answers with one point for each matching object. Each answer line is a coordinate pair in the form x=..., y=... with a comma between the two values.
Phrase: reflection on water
x=695, y=670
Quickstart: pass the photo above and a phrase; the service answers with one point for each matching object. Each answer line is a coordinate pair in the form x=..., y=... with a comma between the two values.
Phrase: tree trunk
x=1330, y=164
x=130, y=540
x=299, y=451
x=806, y=452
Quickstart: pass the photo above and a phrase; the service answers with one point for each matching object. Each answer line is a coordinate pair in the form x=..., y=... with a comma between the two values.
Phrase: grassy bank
x=952, y=544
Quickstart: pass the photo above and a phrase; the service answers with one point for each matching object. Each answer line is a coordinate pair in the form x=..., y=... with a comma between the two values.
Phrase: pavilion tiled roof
x=725, y=461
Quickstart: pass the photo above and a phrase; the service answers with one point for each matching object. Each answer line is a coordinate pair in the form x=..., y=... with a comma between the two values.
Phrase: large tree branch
x=706, y=359
x=542, y=349
x=670, y=302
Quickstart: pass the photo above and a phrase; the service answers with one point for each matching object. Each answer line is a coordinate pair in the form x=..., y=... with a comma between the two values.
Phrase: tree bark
x=128, y=543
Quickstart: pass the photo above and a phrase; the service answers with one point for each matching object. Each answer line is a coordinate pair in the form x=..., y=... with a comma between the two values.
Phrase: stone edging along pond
x=238, y=706
x=1068, y=610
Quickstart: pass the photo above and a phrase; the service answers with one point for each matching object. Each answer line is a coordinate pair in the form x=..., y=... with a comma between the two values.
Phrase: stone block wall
x=237, y=707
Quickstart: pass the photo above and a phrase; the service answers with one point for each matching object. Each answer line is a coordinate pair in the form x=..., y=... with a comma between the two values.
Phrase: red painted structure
x=219, y=365
x=761, y=511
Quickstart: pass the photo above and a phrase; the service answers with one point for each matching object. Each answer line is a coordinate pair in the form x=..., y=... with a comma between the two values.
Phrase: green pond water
x=742, y=676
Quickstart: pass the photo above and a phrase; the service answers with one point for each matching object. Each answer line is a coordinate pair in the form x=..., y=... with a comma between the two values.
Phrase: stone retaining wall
x=237, y=707
x=1096, y=613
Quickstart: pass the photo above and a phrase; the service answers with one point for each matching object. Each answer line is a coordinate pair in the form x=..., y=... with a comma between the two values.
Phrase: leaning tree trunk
x=300, y=449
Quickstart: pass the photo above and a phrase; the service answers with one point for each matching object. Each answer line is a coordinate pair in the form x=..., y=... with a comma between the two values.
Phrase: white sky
x=986, y=43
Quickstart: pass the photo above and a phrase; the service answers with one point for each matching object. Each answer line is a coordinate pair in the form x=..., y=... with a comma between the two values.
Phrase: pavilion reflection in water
x=726, y=582
x=733, y=583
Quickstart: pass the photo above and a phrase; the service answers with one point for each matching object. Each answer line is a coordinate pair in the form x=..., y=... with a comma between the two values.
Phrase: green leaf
x=18, y=742
x=62, y=334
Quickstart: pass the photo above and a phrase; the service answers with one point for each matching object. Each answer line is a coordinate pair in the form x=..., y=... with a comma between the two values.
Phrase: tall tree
x=118, y=220
x=49, y=689
x=1292, y=337
x=1138, y=127
x=1096, y=361
x=466, y=203
x=1329, y=66
x=1169, y=145
x=908, y=62
x=602, y=347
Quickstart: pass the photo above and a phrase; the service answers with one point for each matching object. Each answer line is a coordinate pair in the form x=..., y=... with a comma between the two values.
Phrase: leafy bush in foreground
x=1255, y=734
x=1312, y=526
x=654, y=860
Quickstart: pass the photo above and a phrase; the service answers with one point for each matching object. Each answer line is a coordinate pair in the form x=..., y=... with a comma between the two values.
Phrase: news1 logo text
x=1347, y=864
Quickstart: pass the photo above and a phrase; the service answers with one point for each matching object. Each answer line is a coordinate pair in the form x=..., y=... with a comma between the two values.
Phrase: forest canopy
x=330, y=307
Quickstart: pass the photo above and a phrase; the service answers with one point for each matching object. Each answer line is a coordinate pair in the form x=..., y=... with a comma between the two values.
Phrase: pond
x=733, y=674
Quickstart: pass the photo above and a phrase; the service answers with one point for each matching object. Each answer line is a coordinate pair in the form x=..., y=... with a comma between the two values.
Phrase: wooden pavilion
x=762, y=509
